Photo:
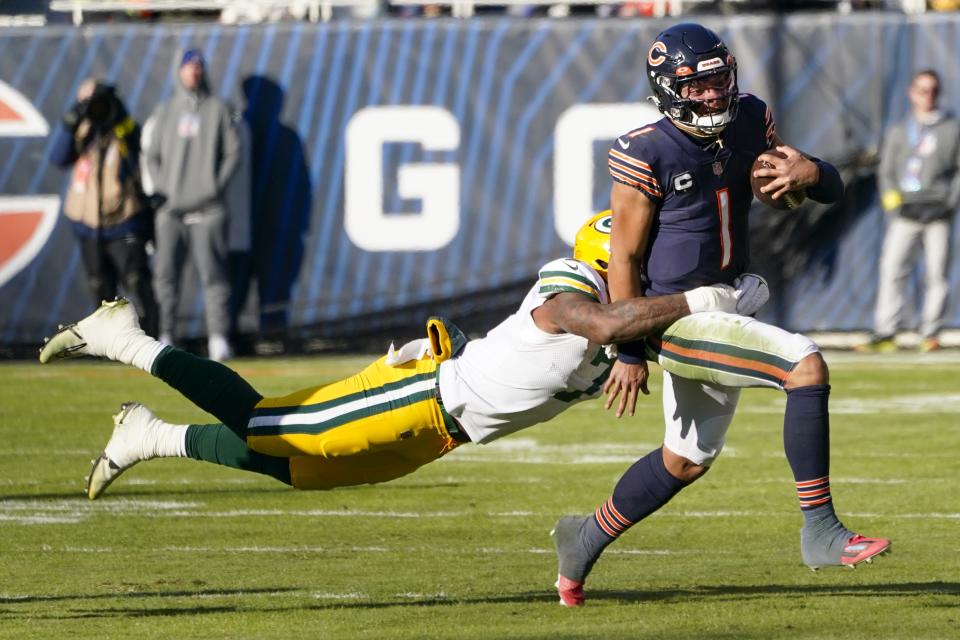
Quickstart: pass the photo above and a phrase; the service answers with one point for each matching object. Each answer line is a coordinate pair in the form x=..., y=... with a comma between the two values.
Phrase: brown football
x=789, y=200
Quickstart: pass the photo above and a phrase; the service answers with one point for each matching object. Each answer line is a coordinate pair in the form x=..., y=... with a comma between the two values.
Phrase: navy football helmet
x=681, y=62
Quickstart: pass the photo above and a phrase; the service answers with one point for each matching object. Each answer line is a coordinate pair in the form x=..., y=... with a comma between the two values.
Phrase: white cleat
x=101, y=334
x=103, y=472
x=124, y=448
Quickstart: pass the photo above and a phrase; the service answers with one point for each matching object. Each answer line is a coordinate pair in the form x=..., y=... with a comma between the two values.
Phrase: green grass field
x=184, y=549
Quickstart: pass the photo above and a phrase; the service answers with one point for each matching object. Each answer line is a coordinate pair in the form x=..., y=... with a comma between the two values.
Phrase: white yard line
x=423, y=596
x=341, y=596
x=257, y=549
x=318, y=513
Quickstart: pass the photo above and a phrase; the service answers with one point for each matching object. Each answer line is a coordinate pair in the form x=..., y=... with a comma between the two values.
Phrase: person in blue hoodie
x=192, y=153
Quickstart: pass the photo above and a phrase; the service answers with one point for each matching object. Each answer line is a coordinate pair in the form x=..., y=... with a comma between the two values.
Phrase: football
x=789, y=200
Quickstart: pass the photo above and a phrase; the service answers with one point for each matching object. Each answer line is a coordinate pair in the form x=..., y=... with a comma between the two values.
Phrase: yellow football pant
x=373, y=427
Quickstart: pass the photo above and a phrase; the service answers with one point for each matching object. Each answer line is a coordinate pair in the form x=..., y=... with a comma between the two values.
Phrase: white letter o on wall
x=573, y=164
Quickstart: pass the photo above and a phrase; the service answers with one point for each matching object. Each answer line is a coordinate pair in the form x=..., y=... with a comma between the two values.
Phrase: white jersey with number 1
x=518, y=375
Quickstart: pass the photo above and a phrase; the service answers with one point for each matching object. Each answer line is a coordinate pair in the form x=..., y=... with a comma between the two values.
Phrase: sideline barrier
x=402, y=167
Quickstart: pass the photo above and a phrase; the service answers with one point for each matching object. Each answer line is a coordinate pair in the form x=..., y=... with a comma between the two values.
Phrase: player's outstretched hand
x=791, y=172
x=625, y=381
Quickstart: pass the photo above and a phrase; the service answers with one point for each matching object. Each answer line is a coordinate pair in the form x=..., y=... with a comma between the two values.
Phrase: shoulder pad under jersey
x=632, y=160
x=572, y=276
x=757, y=111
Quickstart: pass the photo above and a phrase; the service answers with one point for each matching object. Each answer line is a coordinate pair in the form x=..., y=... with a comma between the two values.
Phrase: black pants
x=111, y=264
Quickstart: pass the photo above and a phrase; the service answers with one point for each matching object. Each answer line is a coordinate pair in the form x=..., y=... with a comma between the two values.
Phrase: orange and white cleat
x=570, y=591
x=863, y=549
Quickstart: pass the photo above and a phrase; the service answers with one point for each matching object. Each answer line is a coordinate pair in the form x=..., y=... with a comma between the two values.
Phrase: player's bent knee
x=811, y=370
x=682, y=468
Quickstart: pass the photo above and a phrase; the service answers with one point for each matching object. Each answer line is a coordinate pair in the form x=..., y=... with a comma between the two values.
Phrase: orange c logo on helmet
x=657, y=54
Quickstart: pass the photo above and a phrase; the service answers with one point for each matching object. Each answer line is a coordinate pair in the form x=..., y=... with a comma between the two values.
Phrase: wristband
x=829, y=187
x=632, y=352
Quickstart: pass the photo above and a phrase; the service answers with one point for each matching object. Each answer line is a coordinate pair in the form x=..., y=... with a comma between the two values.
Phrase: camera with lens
x=101, y=109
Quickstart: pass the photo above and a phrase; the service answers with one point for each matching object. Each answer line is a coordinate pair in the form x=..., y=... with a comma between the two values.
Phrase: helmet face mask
x=592, y=244
x=694, y=79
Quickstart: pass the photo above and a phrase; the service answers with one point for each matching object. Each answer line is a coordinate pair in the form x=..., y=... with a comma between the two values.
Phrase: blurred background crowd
x=229, y=222
x=253, y=11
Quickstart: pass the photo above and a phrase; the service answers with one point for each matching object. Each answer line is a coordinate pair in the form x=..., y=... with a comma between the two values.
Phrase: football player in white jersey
x=406, y=409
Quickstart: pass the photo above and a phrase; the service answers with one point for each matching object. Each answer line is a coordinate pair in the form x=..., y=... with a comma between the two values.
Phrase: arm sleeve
x=829, y=187
x=887, y=171
x=230, y=151
x=64, y=152
x=953, y=196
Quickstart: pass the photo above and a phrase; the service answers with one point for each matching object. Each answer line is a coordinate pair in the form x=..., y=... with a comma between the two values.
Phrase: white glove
x=752, y=293
x=718, y=297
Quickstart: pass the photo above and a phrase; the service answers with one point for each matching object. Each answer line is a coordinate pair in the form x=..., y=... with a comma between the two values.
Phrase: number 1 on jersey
x=726, y=238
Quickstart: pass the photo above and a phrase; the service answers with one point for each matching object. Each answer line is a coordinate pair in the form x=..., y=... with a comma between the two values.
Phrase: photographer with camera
x=111, y=217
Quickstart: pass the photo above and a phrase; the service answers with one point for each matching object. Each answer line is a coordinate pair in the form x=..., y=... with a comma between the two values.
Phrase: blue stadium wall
x=409, y=166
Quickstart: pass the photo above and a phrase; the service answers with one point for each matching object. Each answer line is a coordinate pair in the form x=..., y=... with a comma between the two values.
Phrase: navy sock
x=644, y=488
x=806, y=443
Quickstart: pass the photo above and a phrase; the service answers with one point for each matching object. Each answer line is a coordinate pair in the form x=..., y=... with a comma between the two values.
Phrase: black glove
x=156, y=200
x=72, y=118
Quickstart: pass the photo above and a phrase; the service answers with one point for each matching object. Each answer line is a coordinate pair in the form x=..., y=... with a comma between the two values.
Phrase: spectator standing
x=193, y=152
x=919, y=180
x=105, y=201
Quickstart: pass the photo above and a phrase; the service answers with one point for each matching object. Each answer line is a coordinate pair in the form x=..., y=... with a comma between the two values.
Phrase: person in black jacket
x=100, y=143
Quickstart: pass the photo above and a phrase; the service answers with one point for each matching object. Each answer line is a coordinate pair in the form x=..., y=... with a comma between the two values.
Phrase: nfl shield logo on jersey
x=717, y=168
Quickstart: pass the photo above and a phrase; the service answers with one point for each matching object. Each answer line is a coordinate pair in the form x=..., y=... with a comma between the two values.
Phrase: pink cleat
x=862, y=549
x=571, y=592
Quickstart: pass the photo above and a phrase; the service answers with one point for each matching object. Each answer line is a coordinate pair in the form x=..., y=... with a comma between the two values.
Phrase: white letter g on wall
x=436, y=185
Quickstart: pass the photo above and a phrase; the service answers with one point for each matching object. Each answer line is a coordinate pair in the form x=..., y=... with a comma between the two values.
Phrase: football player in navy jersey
x=681, y=197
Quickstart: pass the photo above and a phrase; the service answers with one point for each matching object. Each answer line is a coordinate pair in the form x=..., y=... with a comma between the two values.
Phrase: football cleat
x=103, y=472
x=101, y=334
x=929, y=344
x=863, y=549
x=573, y=560
x=854, y=550
x=877, y=345
x=123, y=450
x=570, y=592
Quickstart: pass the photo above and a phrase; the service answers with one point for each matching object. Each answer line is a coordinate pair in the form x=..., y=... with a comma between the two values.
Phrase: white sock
x=167, y=440
x=138, y=349
x=156, y=439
